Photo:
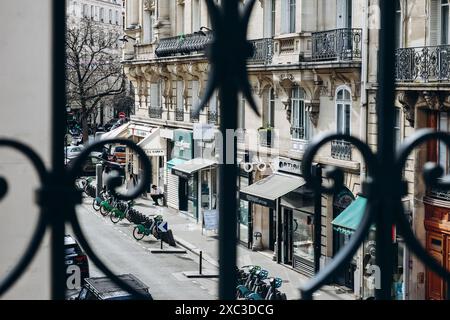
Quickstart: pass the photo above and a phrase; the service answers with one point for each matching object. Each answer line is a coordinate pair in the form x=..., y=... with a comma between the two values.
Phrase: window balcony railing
x=193, y=117
x=298, y=133
x=341, y=150
x=179, y=115
x=155, y=113
x=338, y=44
x=213, y=117
x=262, y=51
x=423, y=64
x=183, y=44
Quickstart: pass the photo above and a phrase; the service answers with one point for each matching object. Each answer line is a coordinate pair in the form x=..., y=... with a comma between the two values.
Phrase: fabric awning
x=174, y=162
x=267, y=190
x=151, y=144
x=186, y=169
x=139, y=130
x=119, y=132
x=348, y=220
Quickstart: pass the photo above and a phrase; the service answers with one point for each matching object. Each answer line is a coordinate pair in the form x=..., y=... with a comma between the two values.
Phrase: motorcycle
x=121, y=212
x=148, y=227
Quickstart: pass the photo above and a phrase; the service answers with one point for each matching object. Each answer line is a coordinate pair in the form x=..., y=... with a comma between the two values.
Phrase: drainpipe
x=364, y=78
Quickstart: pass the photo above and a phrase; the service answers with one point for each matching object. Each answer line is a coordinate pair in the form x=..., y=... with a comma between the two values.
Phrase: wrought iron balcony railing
x=338, y=44
x=341, y=150
x=183, y=44
x=263, y=51
x=422, y=64
x=155, y=113
x=298, y=133
x=179, y=115
x=194, y=117
x=213, y=117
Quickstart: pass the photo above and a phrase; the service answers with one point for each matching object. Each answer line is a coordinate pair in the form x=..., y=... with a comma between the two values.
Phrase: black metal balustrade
x=213, y=117
x=155, y=113
x=298, y=133
x=338, y=44
x=262, y=51
x=384, y=186
x=183, y=44
x=193, y=116
x=179, y=114
x=436, y=192
x=341, y=150
x=422, y=64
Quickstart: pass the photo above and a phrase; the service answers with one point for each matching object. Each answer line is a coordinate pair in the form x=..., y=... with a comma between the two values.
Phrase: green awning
x=174, y=162
x=348, y=220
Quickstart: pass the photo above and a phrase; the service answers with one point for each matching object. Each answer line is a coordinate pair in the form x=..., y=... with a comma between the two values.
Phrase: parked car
x=75, y=256
x=102, y=288
x=120, y=153
x=88, y=167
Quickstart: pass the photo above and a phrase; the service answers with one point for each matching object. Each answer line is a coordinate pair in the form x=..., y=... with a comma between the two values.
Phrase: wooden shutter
x=435, y=22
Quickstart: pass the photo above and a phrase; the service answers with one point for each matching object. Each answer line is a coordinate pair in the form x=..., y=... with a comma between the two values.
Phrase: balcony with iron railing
x=155, y=112
x=179, y=115
x=213, y=117
x=338, y=44
x=341, y=150
x=194, y=117
x=183, y=44
x=262, y=51
x=423, y=64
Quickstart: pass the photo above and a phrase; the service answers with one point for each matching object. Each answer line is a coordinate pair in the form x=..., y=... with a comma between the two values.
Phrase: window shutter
x=435, y=22
x=154, y=95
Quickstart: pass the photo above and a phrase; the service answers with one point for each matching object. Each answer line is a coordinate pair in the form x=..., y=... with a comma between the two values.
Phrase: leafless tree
x=93, y=70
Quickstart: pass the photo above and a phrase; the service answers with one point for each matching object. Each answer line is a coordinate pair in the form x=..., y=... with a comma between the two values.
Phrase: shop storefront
x=155, y=148
x=437, y=226
x=346, y=223
x=198, y=181
x=245, y=221
x=177, y=188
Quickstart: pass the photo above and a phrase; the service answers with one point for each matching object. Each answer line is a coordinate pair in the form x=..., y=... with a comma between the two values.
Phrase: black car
x=102, y=288
x=75, y=256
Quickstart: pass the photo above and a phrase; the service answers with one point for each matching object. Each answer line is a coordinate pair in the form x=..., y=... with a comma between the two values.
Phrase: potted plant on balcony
x=265, y=134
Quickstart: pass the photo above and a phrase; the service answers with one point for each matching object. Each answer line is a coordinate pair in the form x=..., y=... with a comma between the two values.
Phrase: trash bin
x=257, y=241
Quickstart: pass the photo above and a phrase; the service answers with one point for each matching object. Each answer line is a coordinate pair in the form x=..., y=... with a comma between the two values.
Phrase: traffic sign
x=122, y=115
x=163, y=226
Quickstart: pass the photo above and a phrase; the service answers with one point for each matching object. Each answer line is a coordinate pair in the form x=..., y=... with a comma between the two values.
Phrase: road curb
x=196, y=251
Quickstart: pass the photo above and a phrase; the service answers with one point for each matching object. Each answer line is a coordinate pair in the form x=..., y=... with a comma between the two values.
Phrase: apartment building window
x=110, y=16
x=85, y=11
x=74, y=8
x=92, y=12
x=269, y=108
x=397, y=128
x=149, y=20
x=443, y=151
x=439, y=22
x=117, y=17
x=241, y=112
x=398, y=24
x=272, y=17
x=269, y=18
x=102, y=14
x=195, y=21
x=300, y=123
x=343, y=110
x=344, y=14
x=180, y=19
x=288, y=8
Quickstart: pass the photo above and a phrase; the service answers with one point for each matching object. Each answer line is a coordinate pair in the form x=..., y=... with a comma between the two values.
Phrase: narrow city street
x=163, y=273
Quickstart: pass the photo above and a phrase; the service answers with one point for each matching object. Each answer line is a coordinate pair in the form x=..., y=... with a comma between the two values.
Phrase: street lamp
x=126, y=37
x=203, y=32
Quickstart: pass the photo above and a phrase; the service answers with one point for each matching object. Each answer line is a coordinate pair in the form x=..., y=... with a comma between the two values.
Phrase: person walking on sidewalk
x=156, y=194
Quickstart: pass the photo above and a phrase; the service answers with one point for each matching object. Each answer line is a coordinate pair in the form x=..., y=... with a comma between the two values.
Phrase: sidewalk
x=188, y=234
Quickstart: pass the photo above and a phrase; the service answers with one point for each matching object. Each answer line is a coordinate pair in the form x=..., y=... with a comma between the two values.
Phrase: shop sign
x=181, y=174
x=210, y=219
x=257, y=200
x=155, y=152
x=183, y=144
x=290, y=165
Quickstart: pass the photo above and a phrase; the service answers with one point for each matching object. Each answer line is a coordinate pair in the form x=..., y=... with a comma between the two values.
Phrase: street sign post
x=163, y=227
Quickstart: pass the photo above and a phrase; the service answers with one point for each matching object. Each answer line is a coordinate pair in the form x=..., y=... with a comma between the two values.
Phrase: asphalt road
x=117, y=248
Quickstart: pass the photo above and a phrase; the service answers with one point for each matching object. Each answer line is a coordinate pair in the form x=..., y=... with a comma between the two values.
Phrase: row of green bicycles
x=117, y=210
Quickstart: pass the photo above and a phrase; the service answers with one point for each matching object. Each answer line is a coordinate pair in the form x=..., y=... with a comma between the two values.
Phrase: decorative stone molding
x=149, y=5
x=263, y=81
x=408, y=100
x=313, y=108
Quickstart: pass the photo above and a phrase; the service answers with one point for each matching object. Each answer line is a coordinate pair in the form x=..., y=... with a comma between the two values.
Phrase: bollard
x=200, y=264
x=161, y=244
x=98, y=175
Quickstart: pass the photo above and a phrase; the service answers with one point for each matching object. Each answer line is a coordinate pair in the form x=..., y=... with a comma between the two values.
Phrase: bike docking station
x=200, y=273
x=163, y=228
